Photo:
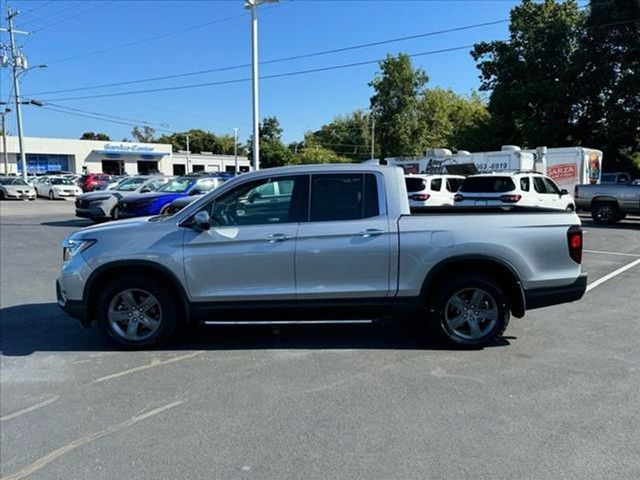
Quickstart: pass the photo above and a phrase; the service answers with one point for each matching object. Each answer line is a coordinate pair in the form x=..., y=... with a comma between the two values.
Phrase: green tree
x=397, y=90
x=453, y=121
x=607, y=79
x=348, y=136
x=530, y=75
x=201, y=141
x=273, y=153
x=145, y=134
x=95, y=136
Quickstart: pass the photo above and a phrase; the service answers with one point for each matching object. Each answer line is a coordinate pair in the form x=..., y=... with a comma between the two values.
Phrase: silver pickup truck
x=608, y=203
x=315, y=245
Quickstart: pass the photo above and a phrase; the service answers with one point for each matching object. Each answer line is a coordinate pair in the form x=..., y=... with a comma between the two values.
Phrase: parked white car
x=432, y=190
x=16, y=188
x=56, y=187
x=528, y=189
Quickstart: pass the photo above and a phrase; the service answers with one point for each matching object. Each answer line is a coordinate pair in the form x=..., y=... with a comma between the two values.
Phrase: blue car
x=156, y=202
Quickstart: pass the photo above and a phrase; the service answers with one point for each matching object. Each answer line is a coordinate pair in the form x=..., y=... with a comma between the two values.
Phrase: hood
x=15, y=188
x=143, y=197
x=123, y=225
x=96, y=194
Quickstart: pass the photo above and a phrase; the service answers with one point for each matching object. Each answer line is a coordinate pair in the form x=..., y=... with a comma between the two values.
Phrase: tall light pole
x=188, y=152
x=235, y=148
x=253, y=5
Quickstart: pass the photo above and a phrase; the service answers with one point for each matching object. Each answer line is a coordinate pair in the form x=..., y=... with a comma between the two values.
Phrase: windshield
x=61, y=181
x=179, y=185
x=12, y=181
x=129, y=184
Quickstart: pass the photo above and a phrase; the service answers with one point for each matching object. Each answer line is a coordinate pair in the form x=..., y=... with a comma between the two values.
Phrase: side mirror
x=195, y=191
x=563, y=192
x=201, y=220
x=145, y=190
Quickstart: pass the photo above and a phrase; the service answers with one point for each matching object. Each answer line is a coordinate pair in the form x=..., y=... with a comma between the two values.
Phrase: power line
x=279, y=60
x=116, y=117
x=71, y=17
x=155, y=37
x=264, y=77
x=99, y=118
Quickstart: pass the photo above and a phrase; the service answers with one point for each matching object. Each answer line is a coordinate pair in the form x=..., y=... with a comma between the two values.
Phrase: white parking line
x=50, y=457
x=44, y=403
x=613, y=274
x=154, y=363
x=637, y=255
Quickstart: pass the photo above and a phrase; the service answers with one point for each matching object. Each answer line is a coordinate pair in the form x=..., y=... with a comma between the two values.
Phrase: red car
x=90, y=181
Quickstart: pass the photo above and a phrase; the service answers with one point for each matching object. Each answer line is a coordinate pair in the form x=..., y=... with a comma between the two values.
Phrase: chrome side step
x=288, y=322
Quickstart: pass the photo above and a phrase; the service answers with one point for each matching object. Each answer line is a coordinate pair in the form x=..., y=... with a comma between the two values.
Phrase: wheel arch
x=502, y=271
x=105, y=273
x=603, y=199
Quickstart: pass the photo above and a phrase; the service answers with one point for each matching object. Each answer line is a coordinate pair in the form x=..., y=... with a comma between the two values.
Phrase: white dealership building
x=79, y=156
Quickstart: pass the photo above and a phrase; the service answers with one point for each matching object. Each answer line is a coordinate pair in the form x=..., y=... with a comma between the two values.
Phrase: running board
x=288, y=322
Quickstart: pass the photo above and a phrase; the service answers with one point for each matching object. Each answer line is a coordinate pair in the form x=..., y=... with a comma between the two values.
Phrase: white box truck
x=567, y=166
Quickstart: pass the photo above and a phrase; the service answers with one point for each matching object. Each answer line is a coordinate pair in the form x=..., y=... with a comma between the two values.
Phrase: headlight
x=71, y=247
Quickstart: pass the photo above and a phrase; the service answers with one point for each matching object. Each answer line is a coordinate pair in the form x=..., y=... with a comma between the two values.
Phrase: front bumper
x=545, y=297
x=20, y=196
x=74, y=308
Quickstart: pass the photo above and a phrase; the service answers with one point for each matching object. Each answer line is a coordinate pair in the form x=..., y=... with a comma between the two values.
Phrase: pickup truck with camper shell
x=320, y=244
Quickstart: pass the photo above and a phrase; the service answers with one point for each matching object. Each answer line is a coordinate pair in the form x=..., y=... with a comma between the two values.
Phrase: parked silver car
x=16, y=188
x=320, y=244
x=101, y=205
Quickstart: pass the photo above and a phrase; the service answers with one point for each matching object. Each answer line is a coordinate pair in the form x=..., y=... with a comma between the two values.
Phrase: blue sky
x=64, y=29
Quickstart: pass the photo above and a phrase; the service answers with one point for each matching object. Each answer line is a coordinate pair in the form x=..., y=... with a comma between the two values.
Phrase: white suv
x=528, y=189
x=432, y=190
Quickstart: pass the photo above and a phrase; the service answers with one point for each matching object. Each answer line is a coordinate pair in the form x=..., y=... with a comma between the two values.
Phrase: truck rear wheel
x=470, y=310
x=605, y=213
x=137, y=312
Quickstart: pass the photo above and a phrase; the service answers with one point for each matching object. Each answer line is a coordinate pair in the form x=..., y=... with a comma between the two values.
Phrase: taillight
x=458, y=197
x=510, y=198
x=419, y=197
x=574, y=240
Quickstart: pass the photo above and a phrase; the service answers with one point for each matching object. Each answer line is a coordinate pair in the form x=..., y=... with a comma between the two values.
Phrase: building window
x=45, y=163
x=198, y=168
x=179, y=169
x=146, y=167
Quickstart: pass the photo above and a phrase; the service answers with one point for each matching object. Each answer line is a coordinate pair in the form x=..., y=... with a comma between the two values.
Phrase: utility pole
x=18, y=61
x=4, y=140
x=253, y=5
x=373, y=136
x=235, y=148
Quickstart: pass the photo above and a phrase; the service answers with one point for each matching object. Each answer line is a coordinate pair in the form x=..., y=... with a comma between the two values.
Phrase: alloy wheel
x=470, y=314
x=134, y=314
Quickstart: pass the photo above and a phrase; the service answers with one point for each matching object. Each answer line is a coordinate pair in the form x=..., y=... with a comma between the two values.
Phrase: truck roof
x=338, y=167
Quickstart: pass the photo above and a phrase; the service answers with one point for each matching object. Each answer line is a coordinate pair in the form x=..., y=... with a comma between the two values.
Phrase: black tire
x=571, y=208
x=441, y=308
x=605, y=213
x=51, y=197
x=114, y=213
x=2, y=197
x=164, y=296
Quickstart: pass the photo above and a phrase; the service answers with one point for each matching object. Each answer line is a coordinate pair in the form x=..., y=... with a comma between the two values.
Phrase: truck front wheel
x=137, y=311
x=470, y=310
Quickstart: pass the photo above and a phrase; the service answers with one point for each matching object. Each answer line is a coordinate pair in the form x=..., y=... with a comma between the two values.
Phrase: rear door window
x=436, y=184
x=344, y=196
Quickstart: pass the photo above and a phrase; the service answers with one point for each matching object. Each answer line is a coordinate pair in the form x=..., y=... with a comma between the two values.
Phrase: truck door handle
x=277, y=237
x=371, y=232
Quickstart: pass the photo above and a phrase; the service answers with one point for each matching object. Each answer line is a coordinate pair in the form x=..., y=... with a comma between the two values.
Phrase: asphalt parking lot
x=558, y=398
